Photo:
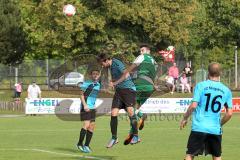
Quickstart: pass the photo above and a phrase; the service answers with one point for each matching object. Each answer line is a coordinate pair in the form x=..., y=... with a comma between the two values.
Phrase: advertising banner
x=103, y=105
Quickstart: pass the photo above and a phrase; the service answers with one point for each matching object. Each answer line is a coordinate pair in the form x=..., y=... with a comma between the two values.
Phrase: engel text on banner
x=54, y=105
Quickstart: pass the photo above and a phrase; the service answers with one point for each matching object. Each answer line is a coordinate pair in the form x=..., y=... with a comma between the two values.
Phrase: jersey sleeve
x=138, y=60
x=228, y=102
x=84, y=86
x=196, y=94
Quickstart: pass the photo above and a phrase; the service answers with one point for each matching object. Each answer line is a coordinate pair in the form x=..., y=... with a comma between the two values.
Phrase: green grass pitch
x=48, y=138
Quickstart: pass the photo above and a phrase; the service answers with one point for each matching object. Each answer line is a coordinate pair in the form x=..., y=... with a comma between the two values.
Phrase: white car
x=69, y=79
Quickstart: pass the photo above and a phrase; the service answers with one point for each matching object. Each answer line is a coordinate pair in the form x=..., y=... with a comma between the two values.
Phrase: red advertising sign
x=236, y=105
x=168, y=54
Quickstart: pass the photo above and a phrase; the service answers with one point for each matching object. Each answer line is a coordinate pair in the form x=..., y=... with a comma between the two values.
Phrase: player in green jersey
x=145, y=67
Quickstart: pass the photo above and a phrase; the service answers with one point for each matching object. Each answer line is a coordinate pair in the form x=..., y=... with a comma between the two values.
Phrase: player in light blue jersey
x=88, y=95
x=209, y=98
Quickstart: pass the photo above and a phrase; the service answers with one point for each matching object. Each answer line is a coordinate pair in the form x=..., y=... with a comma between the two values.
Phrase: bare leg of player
x=91, y=126
x=216, y=158
x=114, y=112
x=189, y=157
x=173, y=89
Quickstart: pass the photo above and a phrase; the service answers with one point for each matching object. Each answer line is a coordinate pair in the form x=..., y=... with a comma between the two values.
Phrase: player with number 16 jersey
x=211, y=97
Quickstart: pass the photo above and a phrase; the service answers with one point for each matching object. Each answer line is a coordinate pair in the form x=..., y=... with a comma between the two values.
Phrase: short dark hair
x=103, y=57
x=144, y=45
x=92, y=70
x=214, y=69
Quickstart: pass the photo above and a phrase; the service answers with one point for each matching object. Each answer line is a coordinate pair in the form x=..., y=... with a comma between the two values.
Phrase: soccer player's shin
x=135, y=139
x=129, y=137
x=88, y=137
x=133, y=121
x=141, y=117
x=114, y=124
x=114, y=139
x=81, y=137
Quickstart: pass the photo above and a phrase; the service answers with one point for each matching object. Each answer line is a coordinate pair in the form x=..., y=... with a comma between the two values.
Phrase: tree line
x=199, y=29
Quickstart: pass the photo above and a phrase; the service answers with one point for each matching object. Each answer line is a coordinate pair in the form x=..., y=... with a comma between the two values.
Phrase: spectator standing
x=188, y=71
x=184, y=83
x=18, y=91
x=174, y=72
x=34, y=91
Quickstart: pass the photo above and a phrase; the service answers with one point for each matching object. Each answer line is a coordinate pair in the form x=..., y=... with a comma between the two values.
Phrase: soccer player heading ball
x=124, y=98
x=145, y=67
x=209, y=98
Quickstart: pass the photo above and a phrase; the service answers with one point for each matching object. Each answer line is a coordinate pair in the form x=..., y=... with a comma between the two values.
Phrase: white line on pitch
x=51, y=152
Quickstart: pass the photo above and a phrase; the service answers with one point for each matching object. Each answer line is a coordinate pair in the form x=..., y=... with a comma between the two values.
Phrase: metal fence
x=44, y=71
x=228, y=77
x=27, y=72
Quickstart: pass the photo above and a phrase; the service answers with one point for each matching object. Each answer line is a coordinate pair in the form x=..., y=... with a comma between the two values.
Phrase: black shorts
x=17, y=94
x=88, y=116
x=200, y=142
x=124, y=98
x=175, y=81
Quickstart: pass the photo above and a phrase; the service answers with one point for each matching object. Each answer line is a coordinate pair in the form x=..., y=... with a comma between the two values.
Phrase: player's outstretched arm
x=125, y=74
x=190, y=109
x=227, y=116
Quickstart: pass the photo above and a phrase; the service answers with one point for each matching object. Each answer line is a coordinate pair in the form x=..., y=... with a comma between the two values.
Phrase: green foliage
x=99, y=23
x=224, y=21
x=119, y=26
x=12, y=37
x=215, y=30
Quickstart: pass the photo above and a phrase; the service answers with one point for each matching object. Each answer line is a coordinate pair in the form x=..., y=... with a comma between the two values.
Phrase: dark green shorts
x=144, y=90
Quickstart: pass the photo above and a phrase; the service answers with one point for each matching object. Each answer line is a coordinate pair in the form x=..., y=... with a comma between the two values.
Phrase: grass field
x=48, y=138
